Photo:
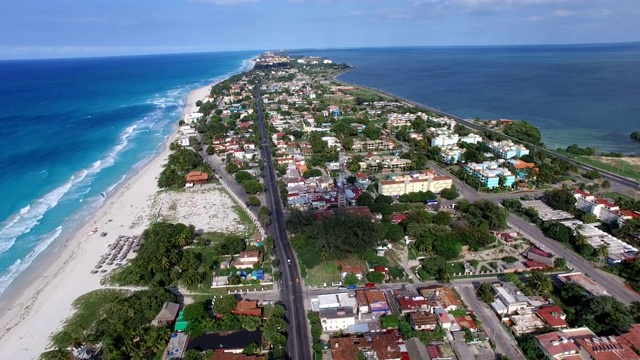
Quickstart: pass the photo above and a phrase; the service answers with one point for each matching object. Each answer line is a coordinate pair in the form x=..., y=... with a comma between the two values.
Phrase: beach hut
x=167, y=314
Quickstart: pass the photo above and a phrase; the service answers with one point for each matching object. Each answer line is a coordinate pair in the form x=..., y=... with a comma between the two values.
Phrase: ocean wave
x=22, y=264
x=30, y=215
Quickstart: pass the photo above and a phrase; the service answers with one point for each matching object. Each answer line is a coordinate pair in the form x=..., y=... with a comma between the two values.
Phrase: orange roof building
x=247, y=307
x=197, y=178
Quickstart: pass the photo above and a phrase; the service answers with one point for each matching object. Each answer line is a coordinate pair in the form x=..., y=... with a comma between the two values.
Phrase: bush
x=242, y=175
x=375, y=277
x=253, y=201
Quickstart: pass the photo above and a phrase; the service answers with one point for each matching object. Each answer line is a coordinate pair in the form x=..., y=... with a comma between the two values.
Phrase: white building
x=335, y=320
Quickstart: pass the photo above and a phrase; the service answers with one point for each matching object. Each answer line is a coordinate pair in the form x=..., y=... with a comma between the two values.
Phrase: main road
x=291, y=290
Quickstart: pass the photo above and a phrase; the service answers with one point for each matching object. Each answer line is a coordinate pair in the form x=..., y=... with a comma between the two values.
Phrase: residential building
x=506, y=149
x=346, y=348
x=509, y=299
x=593, y=288
x=409, y=304
x=372, y=301
x=605, y=348
x=560, y=345
x=385, y=347
x=525, y=323
x=489, y=174
x=335, y=320
x=537, y=254
x=521, y=167
x=553, y=315
x=471, y=138
x=452, y=155
x=426, y=180
x=334, y=301
x=416, y=349
x=348, y=268
x=247, y=259
x=248, y=308
x=196, y=178
x=443, y=140
x=446, y=320
x=422, y=321
x=440, y=296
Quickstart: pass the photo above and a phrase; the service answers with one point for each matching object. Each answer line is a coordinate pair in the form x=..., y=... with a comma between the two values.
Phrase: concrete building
x=426, y=180
x=452, y=155
x=335, y=320
x=509, y=299
x=423, y=321
x=506, y=149
x=489, y=174
x=559, y=345
x=593, y=288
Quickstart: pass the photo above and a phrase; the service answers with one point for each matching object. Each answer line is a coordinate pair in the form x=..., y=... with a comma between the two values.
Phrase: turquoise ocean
x=72, y=129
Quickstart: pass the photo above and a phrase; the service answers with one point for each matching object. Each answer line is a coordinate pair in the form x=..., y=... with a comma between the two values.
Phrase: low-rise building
x=559, y=345
x=509, y=299
x=336, y=320
x=592, y=288
x=247, y=259
x=422, y=321
x=553, y=316
x=372, y=301
x=426, y=180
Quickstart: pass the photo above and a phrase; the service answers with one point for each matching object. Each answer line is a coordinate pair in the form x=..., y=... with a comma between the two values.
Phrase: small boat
x=104, y=196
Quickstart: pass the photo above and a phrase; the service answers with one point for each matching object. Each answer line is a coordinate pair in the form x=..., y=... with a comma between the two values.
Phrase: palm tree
x=164, y=263
x=56, y=354
x=446, y=276
x=605, y=184
x=635, y=264
x=603, y=252
x=153, y=267
x=581, y=240
x=183, y=239
x=539, y=282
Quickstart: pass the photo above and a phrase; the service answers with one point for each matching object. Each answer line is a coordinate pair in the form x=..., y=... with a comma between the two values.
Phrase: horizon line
x=338, y=48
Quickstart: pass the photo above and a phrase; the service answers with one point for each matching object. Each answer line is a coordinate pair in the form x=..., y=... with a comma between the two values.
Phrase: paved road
x=614, y=284
x=291, y=291
x=505, y=345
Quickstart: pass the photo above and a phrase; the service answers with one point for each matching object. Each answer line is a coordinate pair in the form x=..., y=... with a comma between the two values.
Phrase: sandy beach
x=31, y=314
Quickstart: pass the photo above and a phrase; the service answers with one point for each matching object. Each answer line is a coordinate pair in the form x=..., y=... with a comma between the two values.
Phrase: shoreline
x=40, y=299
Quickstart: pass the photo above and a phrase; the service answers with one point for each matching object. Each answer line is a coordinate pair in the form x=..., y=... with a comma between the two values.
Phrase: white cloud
x=563, y=13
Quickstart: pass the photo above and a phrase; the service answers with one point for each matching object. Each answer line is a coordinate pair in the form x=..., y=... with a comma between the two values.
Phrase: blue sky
x=71, y=28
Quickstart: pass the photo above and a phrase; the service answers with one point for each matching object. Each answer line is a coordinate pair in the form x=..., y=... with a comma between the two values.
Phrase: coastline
x=35, y=311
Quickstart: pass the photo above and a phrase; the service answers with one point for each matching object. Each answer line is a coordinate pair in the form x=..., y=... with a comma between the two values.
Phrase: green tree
x=486, y=293
x=375, y=277
x=442, y=218
x=232, y=168
x=394, y=232
x=561, y=199
x=450, y=193
x=253, y=201
x=603, y=252
x=242, y=175
x=252, y=186
x=559, y=263
x=350, y=279
x=539, y=282
x=365, y=199
x=251, y=349
x=604, y=315
x=225, y=304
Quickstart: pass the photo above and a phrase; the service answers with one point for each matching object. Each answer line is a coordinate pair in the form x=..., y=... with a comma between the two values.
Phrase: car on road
x=297, y=280
x=351, y=287
x=341, y=287
x=370, y=285
x=289, y=261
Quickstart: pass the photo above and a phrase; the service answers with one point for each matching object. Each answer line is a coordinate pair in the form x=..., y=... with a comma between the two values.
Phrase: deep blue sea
x=584, y=94
x=74, y=128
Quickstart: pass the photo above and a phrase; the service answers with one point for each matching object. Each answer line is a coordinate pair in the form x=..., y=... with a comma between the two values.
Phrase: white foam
x=20, y=265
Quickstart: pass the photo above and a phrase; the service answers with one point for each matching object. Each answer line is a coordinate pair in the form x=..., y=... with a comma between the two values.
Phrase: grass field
x=325, y=273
